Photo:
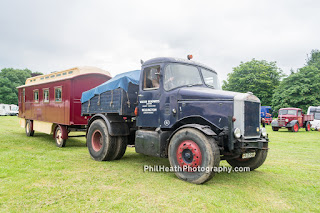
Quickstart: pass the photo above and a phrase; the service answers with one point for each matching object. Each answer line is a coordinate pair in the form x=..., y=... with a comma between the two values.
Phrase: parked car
x=315, y=111
x=293, y=119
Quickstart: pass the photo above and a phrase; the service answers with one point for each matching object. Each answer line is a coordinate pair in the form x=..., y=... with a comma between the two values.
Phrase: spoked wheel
x=194, y=154
x=308, y=126
x=295, y=128
x=29, y=128
x=101, y=144
x=58, y=137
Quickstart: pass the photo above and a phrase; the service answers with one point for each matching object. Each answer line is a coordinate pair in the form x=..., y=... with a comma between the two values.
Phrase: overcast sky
x=47, y=36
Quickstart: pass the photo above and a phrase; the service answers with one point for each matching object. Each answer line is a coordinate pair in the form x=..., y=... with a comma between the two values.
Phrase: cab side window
x=299, y=113
x=151, y=78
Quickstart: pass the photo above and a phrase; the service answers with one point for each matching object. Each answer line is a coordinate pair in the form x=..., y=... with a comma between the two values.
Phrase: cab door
x=149, y=97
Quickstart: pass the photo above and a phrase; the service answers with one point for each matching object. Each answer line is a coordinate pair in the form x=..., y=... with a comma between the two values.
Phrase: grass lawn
x=35, y=175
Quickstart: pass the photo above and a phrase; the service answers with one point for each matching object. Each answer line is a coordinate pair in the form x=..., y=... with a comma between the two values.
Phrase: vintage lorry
x=293, y=119
x=174, y=108
x=266, y=114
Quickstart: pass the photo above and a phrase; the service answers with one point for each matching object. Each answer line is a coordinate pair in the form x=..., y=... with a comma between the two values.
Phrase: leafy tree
x=10, y=79
x=300, y=89
x=259, y=77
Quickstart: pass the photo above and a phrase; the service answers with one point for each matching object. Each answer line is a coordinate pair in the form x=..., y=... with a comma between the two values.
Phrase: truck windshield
x=288, y=112
x=210, y=79
x=177, y=75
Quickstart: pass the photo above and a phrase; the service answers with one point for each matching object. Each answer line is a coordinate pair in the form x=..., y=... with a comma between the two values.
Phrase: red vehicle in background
x=51, y=103
x=292, y=119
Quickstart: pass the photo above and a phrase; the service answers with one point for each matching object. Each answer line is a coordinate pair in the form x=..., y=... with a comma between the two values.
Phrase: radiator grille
x=251, y=119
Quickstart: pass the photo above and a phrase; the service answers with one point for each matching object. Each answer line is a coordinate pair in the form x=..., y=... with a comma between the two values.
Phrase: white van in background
x=14, y=109
x=315, y=111
x=4, y=109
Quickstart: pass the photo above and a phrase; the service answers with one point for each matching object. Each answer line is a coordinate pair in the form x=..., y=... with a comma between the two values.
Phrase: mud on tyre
x=190, y=147
x=101, y=144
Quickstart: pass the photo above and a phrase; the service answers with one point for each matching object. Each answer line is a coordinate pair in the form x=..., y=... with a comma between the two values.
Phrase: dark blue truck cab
x=176, y=109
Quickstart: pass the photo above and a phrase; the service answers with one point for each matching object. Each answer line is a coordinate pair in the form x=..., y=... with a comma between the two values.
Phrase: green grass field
x=35, y=175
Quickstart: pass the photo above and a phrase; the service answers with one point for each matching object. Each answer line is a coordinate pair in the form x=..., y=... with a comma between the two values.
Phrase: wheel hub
x=189, y=154
x=59, y=136
x=96, y=140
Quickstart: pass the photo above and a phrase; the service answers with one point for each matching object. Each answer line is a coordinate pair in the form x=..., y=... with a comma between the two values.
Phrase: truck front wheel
x=252, y=163
x=101, y=144
x=275, y=128
x=193, y=155
x=295, y=127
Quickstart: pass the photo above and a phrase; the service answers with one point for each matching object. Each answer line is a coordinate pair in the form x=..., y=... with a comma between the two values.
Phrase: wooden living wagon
x=51, y=103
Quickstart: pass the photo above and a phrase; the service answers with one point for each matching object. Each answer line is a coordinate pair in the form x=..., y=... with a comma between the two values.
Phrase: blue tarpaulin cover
x=119, y=81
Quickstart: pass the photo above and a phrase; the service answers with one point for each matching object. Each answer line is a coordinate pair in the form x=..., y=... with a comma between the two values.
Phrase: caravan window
x=58, y=94
x=45, y=95
x=36, y=95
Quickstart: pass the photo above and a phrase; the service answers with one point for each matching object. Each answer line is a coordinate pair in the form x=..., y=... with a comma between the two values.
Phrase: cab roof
x=175, y=60
x=290, y=108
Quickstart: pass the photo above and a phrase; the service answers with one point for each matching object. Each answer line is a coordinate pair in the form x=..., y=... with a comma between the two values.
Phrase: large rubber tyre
x=252, y=163
x=308, y=126
x=200, y=148
x=101, y=144
x=29, y=132
x=58, y=138
x=121, y=146
x=295, y=127
x=275, y=129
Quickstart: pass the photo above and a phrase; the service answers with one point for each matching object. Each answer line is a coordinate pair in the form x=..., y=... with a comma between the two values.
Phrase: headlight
x=237, y=133
x=264, y=132
x=287, y=120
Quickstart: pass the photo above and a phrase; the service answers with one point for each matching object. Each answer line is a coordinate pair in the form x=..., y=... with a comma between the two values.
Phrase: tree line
x=10, y=79
x=266, y=80
x=300, y=89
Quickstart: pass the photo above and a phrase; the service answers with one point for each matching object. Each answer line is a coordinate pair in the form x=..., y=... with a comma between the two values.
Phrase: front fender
x=291, y=123
x=275, y=123
x=204, y=129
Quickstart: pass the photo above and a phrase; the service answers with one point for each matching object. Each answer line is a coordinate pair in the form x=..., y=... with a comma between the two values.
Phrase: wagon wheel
x=59, y=141
x=29, y=128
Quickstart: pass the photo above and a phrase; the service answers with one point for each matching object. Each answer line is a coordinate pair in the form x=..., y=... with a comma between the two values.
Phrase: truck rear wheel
x=275, y=128
x=195, y=154
x=101, y=144
x=121, y=146
x=29, y=129
x=252, y=163
x=58, y=138
x=308, y=126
